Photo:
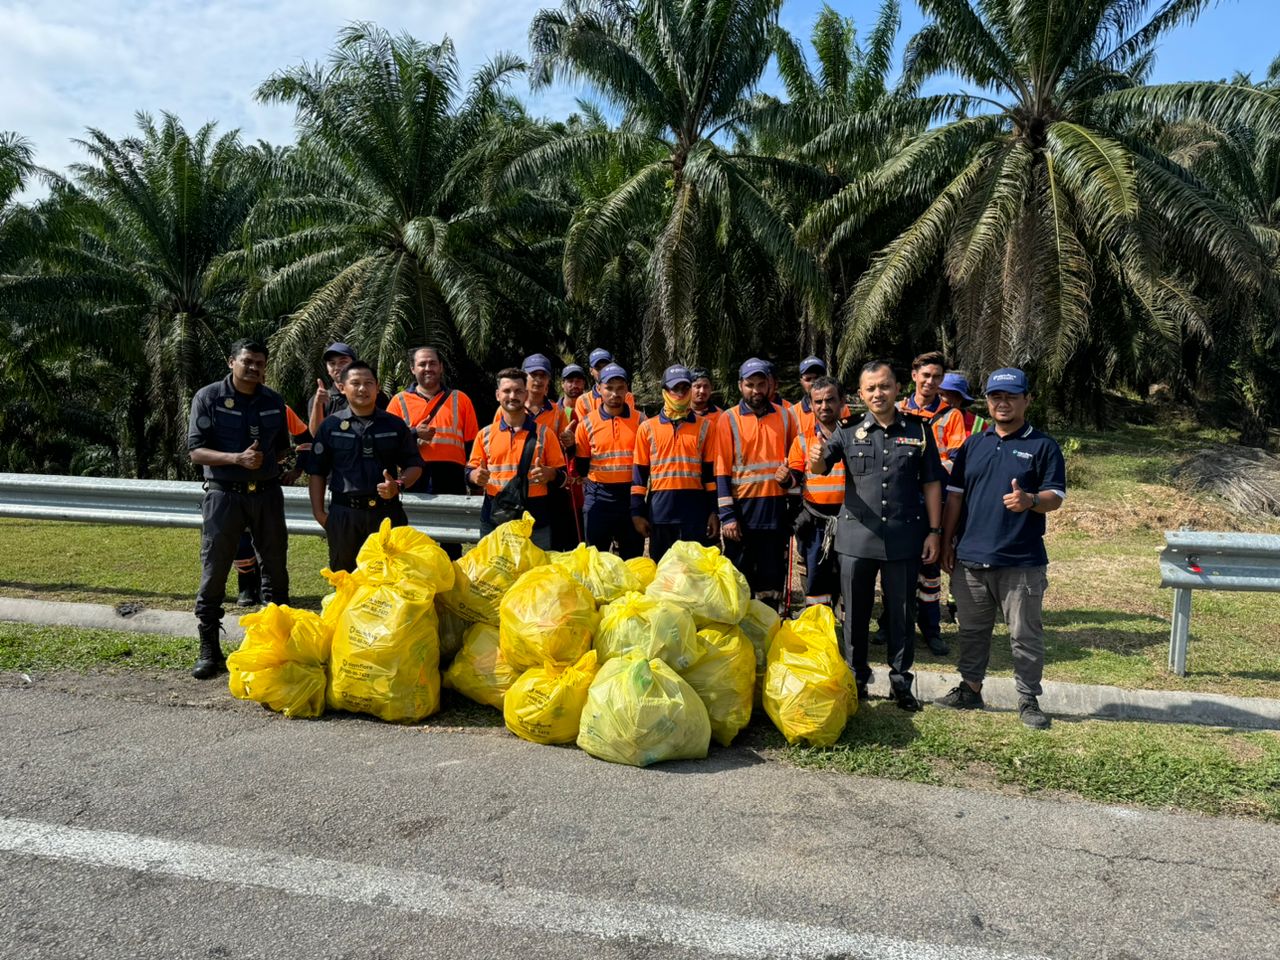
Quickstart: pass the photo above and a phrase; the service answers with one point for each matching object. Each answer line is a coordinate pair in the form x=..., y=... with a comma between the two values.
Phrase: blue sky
x=73, y=64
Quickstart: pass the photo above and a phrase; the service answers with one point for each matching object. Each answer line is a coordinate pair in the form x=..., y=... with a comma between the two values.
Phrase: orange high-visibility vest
x=590, y=401
x=674, y=452
x=610, y=443
x=819, y=490
x=455, y=423
x=498, y=447
x=749, y=450
x=947, y=424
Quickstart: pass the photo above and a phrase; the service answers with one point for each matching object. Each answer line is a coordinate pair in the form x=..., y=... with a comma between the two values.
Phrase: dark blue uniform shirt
x=228, y=421
x=353, y=451
x=984, y=470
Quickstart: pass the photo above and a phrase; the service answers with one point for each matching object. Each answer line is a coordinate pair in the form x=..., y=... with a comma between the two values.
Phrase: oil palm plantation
x=384, y=233
x=722, y=263
x=1044, y=202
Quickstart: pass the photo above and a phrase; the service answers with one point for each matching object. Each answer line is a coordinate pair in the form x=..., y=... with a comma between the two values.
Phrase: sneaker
x=1029, y=712
x=938, y=646
x=961, y=697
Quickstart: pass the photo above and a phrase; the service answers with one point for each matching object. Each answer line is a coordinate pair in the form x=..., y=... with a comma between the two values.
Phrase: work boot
x=905, y=700
x=961, y=697
x=211, y=662
x=250, y=590
x=1029, y=712
x=938, y=646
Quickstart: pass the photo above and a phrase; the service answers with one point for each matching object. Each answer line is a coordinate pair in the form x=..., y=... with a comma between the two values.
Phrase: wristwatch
x=937, y=530
x=1035, y=500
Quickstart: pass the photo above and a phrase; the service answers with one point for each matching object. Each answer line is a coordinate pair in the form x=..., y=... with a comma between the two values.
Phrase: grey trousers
x=1018, y=594
x=226, y=517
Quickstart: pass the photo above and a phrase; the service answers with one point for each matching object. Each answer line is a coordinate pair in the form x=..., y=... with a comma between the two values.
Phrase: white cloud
x=95, y=63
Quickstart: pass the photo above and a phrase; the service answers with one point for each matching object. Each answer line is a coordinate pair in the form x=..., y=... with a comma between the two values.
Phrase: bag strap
x=441, y=397
x=526, y=459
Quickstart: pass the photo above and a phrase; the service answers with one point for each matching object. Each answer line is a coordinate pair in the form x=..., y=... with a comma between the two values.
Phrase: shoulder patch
x=204, y=423
x=317, y=447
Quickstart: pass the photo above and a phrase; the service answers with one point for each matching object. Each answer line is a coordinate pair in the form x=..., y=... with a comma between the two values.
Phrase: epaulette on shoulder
x=848, y=421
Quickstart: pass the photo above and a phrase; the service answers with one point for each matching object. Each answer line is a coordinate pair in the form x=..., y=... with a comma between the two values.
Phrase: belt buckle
x=253, y=487
x=372, y=503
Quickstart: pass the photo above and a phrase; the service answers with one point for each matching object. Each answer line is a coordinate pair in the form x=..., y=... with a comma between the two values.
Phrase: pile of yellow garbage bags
x=633, y=661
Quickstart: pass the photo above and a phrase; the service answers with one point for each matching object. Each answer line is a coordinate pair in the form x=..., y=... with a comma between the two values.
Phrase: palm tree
x=386, y=231
x=1042, y=192
x=119, y=266
x=721, y=262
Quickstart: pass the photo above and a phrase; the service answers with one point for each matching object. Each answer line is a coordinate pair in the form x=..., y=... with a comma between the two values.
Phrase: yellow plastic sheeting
x=386, y=653
x=702, y=581
x=651, y=628
x=546, y=617
x=606, y=575
x=640, y=712
x=281, y=661
x=487, y=571
x=809, y=690
x=760, y=626
x=545, y=704
x=724, y=676
x=479, y=670
x=644, y=570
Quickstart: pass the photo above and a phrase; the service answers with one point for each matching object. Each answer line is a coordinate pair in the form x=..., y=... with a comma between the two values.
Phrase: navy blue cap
x=339, y=348
x=752, y=367
x=599, y=355
x=611, y=372
x=699, y=373
x=676, y=374
x=956, y=383
x=812, y=363
x=573, y=370
x=536, y=362
x=1007, y=380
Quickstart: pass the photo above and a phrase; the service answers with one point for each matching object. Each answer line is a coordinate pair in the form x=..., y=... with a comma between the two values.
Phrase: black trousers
x=663, y=535
x=226, y=517
x=566, y=522
x=761, y=555
x=607, y=524
x=858, y=585
x=349, y=528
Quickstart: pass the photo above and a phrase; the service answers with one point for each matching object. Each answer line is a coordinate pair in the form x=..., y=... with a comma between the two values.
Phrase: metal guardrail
x=176, y=503
x=1213, y=561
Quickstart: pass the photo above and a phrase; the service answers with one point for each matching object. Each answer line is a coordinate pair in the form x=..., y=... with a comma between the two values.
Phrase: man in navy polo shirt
x=1004, y=480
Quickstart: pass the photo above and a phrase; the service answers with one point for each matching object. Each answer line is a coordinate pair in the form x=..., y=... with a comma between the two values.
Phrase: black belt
x=242, y=486
x=360, y=501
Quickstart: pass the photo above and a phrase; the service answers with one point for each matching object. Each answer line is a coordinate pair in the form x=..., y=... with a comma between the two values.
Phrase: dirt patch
x=1245, y=477
x=167, y=687
x=1148, y=506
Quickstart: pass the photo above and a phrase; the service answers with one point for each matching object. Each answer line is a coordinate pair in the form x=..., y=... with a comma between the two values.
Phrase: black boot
x=211, y=662
x=250, y=589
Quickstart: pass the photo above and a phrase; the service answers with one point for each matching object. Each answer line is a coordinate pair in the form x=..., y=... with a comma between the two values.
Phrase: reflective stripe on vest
x=822, y=489
x=676, y=472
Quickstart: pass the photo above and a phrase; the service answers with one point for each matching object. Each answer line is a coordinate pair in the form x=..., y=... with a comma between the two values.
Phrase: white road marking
x=459, y=900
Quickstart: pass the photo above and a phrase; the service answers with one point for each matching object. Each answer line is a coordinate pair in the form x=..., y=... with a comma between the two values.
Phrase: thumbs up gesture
x=250, y=458
x=1017, y=500
x=815, y=458
x=389, y=488
x=322, y=393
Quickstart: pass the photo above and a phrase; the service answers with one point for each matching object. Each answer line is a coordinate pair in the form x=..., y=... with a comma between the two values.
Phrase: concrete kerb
x=1060, y=699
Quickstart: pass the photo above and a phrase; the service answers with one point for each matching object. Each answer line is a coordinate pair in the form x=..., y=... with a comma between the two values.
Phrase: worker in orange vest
x=753, y=439
x=600, y=358
x=703, y=394
x=516, y=450
x=673, y=488
x=605, y=446
x=567, y=528
x=823, y=495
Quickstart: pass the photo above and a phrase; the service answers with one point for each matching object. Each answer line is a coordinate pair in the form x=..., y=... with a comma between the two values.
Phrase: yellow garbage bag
x=644, y=570
x=724, y=677
x=344, y=586
x=809, y=690
x=404, y=553
x=606, y=575
x=703, y=581
x=637, y=623
x=760, y=626
x=546, y=617
x=480, y=671
x=641, y=712
x=453, y=631
x=545, y=704
x=281, y=661
x=487, y=570
x=386, y=652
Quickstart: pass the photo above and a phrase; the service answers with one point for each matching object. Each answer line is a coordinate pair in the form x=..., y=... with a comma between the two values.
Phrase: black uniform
x=881, y=529
x=236, y=498
x=352, y=452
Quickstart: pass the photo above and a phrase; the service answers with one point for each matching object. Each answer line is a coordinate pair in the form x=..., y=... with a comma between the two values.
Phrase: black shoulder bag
x=511, y=501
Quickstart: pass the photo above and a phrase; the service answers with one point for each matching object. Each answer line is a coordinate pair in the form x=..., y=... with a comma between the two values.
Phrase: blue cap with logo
x=573, y=370
x=341, y=349
x=536, y=362
x=612, y=372
x=677, y=373
x=753, y=366
x=1007, y=380
x=699, y=373
x=956, y=383
x=812, y=363
x=598, y=356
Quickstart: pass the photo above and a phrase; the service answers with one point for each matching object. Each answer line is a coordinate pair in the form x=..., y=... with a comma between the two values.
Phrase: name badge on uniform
x=908, y=442
x=229, y=403
x=345, y=425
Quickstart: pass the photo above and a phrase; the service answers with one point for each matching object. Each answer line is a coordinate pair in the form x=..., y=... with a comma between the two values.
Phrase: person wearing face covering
x=673, y=478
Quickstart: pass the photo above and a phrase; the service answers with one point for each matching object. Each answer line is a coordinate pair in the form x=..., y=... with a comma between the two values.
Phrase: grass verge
x=28, y=648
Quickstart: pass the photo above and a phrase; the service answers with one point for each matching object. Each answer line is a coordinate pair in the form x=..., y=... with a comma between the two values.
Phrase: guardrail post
x=1178, y=632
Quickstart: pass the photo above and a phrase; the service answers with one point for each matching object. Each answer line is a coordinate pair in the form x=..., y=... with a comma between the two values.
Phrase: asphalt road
x=146, y=830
